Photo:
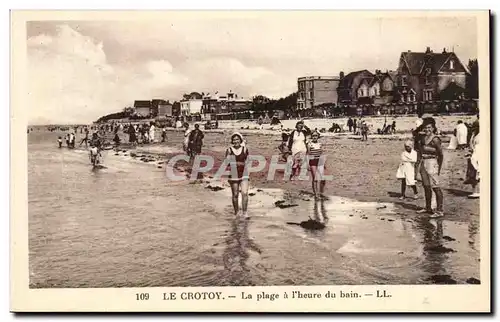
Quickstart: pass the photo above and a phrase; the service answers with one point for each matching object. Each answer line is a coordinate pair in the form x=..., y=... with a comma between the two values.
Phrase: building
x=316, y=90
x=176, y=109
x=377, y=90
x=355, y=87
x=142, y=108
x=237, y=104
x=424, y=76
x=191, y=104
x=224, y=104
x=165, y=109
x=155, y=103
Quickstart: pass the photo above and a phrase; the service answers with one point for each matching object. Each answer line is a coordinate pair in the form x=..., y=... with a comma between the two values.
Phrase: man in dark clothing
x=350, y=124
x=195, y=141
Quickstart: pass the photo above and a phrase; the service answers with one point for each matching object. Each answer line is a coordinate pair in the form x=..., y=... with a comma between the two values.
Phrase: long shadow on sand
x=457, y=193
x=408, y=206
x=393, y=194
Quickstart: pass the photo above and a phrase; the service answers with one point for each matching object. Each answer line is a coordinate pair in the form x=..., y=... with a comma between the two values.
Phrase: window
x=427, y=95
x=403, y=81
x=451, y=63
x=427, y=80
x=411, y=98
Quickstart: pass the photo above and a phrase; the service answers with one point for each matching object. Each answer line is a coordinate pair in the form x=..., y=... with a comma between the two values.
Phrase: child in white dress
x=406, y=170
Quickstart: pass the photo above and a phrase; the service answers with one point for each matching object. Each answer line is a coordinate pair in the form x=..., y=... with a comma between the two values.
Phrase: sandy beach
x=404, y=124
x=346, y=156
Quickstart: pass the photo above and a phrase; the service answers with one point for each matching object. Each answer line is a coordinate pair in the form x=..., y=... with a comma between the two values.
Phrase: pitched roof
x=142, y=104
x=349, y=78
x=416, y=62
x=392, y=74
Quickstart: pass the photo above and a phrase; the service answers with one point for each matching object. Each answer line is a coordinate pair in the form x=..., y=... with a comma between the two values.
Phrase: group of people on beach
x=301, y=149
x=70, y=140
x=358, y=127
x=424, y=155
x=144, y=133
x=298, y=149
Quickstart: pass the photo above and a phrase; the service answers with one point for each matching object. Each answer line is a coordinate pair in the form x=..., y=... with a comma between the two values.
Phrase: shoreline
x=158, y=155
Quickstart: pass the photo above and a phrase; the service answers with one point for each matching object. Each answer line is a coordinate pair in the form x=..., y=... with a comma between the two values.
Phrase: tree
x=128, y=110
x=472, y=80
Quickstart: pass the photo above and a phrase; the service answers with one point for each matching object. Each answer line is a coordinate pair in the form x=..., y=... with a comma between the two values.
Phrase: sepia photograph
x=254, y=149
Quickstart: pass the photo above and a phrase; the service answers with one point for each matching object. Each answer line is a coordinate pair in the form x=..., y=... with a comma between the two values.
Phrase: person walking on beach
x=364, y=131
x=354, y=126
x=238, y=179
x=132, y=137
x=85, y=138
x=473, y=164
x=59, y=141
x=187, y=132
x=461, y=134
x=116, y=140
x=430, y=169
x=314, y=153
x=283, y=147
x=406, y=170
x=418, y=134
x=195, y=142
x=71, y=140
x=152, y=130
x=350, y=124
x=163, y=134
x=297, y=144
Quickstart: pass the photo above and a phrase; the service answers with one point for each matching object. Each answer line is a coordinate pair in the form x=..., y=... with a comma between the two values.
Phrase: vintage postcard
x=250, y=161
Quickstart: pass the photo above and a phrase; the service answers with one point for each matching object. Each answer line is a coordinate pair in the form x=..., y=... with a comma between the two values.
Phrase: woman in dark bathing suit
x=238, y=178
x=430, y=169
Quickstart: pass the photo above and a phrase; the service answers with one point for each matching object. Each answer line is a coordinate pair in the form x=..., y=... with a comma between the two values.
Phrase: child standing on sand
x=406, y=170
x=314, y=153
x=283, y=147
x=59, y=140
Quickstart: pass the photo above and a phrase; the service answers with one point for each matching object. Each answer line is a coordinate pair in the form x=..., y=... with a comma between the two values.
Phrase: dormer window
x=403, y=81
x=451, y=64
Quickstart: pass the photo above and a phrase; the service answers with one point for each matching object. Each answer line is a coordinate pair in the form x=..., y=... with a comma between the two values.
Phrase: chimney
x=341, y=75
x=428, y=50
x=444, y=50
x=409, y=51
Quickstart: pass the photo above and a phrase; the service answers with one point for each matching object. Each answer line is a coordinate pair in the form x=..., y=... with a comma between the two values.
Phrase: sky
x=81, y=70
